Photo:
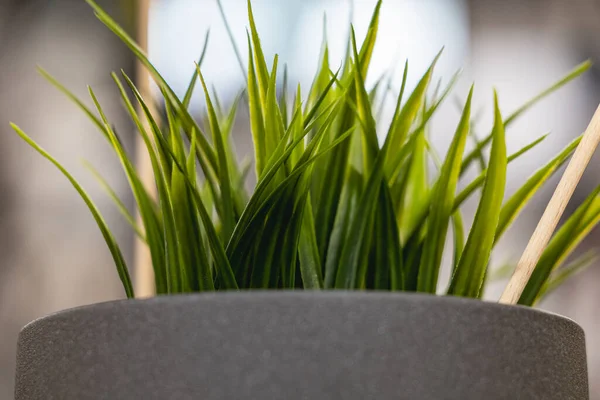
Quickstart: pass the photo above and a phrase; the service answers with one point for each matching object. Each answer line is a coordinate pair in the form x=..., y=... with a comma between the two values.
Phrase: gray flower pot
x=301, y=345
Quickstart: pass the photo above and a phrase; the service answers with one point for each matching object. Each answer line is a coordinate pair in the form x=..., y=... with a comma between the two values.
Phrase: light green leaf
x=577, y=71
x=414, y=196
x=226, y=198
x=403, y=120
x=187, y=98
x=115, y=198
x=370, y=144
x=479, y=181
x=564, y=273
x=562, y=244
x=74, y=99
x=469, y=275
x=441, y=205
x=106, y=233
x=204, y=148
x=517, y=201
x=257, y=123
x=259, y=57
x=146, y=205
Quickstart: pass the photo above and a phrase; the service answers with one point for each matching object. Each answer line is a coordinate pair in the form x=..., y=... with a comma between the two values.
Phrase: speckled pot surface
x=301, y=345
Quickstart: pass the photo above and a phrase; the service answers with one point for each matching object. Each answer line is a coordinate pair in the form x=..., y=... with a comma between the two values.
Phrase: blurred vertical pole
x=143, y=272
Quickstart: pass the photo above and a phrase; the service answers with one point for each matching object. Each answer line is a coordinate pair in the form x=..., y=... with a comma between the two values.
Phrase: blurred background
x=52, y=255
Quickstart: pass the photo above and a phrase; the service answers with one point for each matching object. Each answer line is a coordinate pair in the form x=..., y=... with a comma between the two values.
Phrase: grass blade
x=517, y=201
x=226, y=198
x=204, y=146
x=564, y=273
x=74, y=99
x=108, y=237
x=403, y=120
x=386, y=269
x=347, y=208
x=310, y=263
x=469, y=275
x=187, y=98
x=458, y=232
x=564, y=241
x=414, y=195
x=236, y=50
x=370, y=144
x=115, y=198
x=147, y=207
x=577, y=71
x=477, y=182
x=257, y=123
x=259, y=58
x=441, y=205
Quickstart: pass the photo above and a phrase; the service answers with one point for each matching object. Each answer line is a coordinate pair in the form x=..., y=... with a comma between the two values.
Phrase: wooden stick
x=545, y=228
x=144, y=275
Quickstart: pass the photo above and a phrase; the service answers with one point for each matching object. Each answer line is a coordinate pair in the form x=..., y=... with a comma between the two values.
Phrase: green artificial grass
x=332, y=208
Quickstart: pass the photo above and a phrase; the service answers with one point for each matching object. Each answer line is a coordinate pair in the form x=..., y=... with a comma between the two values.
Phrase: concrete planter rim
x=301, y=294
x=452, y=340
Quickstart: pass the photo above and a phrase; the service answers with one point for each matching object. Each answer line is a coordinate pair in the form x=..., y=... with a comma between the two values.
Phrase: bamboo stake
x=554, y=210
x=144, y=275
